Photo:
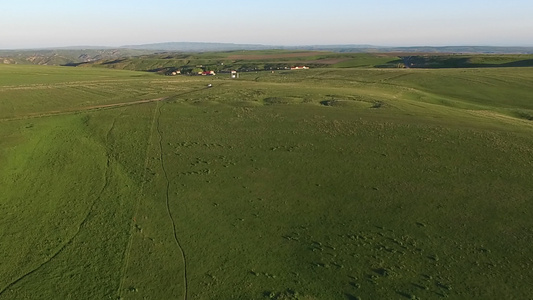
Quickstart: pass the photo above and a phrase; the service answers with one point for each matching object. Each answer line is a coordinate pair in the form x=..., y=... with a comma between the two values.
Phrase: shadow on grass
x=116, y=61
x=406, y=295
x=445, y=62
x=351, y=297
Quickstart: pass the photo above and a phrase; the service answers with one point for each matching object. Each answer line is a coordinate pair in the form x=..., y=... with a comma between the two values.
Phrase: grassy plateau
x=331, y=183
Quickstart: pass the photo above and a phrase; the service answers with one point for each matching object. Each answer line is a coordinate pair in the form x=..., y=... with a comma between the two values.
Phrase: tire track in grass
x=169, y=211
x=154, y=122
x=137, y=205
x=83, y=222
x=70, y=111
x=106, y=183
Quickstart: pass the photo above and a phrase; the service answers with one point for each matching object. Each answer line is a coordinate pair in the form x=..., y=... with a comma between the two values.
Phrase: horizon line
x=132, y=46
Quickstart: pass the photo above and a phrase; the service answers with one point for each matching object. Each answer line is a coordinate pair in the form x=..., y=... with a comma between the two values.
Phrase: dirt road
x=80, y=109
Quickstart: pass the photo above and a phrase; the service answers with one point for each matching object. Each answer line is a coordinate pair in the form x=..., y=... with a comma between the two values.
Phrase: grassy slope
x=63, y=56
x=408, y=184
x=249, y=60
x=275, y=59
x=471, y=60
x=34, y=90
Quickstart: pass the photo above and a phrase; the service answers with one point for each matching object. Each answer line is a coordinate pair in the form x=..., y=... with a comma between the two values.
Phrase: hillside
x=77, y=55
x=334, y=183
x=199, y=47
x=216, y=47
x=467, y=61
x=64, y=56
x=269, y=60
x=244, y=61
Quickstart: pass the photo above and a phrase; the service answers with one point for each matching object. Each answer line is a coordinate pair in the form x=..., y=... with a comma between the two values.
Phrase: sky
x=60, y=23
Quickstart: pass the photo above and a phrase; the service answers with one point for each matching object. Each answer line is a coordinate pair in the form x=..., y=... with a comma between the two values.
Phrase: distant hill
x=459, y=49
x=272, y=60
x=199, y=47
x=215, y=47
x=87, y=54
x=418, y=49
x=65, y=56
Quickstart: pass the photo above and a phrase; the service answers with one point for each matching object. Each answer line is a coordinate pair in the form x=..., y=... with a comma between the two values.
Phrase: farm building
x=299, y=68
x=205, y=73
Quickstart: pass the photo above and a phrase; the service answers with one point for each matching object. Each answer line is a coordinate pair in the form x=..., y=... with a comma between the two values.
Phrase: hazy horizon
x=31, y=24
x=100, y=47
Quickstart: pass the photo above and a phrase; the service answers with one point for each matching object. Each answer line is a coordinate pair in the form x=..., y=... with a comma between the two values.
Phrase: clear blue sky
x=53, y=23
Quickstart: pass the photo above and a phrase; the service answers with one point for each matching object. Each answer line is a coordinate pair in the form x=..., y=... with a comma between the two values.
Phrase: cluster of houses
x=234, y=73
x=205, y=73
x=202, y=73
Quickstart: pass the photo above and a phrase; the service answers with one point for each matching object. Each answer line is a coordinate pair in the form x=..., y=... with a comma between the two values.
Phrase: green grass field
x=280, y=59
x=315, y=184
x=248, y=60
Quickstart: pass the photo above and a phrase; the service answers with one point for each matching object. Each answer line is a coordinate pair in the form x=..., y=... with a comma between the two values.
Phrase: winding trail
x=82, y=223
x=155, y=121
x=137, y=205
x=155, y=126
x=169, y=211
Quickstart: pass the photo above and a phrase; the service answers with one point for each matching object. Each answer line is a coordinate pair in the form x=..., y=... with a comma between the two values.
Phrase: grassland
x=315, y=184
x=248, y=60
x=64, y=56
x=280, y=59
x=469, y=61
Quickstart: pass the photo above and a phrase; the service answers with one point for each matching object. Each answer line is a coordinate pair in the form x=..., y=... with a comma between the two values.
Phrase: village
x=205, y=71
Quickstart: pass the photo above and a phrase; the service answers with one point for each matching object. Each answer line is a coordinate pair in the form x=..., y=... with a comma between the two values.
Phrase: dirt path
x=80, y=109
x=167, y=201
x=127, y=256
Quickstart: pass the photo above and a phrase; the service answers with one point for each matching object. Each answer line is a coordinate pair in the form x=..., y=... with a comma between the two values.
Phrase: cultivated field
x=312, y=184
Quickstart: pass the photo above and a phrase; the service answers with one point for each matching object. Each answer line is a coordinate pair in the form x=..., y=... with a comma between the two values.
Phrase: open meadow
x=332, y=183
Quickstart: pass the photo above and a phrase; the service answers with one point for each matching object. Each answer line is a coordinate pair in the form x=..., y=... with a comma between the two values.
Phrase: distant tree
x=196, y=70
x=186, y=70
x=215, y=68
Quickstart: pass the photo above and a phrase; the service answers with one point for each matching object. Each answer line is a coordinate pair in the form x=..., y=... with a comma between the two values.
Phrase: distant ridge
x=65, y=55
x=199, y=47
x=355, y=48
x=76, y=55
x=211, y=47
